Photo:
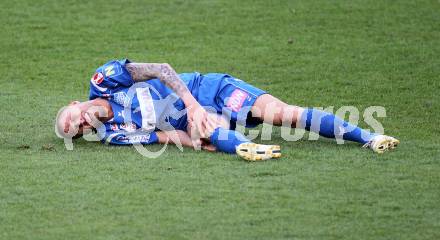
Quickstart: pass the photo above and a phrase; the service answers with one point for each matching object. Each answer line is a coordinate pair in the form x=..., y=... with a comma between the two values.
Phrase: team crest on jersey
x=98, y=78
x=235, y=102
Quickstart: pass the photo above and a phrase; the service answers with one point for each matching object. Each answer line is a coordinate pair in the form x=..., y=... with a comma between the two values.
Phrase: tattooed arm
x=167, y=75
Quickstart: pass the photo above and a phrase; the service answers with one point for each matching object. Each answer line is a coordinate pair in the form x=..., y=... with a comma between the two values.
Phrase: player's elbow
x=165, y=68
x=165, y=65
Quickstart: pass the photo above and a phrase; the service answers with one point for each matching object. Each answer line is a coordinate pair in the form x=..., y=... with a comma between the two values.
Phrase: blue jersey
x=141, y=108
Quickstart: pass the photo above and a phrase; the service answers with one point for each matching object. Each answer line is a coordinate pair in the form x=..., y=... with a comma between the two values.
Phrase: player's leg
x=230, y=141
x=273, y=111
x=227, y=95
x=220, y=136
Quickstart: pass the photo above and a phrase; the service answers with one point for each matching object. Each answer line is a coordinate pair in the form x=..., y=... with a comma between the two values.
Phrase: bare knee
x=290, y=116
x=287, y=115
x=270, y=109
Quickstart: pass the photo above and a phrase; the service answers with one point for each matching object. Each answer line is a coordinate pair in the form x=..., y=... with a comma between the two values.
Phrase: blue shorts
x=229, y=96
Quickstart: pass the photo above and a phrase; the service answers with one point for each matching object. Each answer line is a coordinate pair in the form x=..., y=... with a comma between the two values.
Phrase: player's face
x=75, y=120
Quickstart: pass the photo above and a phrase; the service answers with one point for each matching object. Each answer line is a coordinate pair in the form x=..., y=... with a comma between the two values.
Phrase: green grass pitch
x=309, y=53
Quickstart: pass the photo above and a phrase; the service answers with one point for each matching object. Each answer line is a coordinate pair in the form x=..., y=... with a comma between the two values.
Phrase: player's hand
x=197, y=118
x=209, y=147
x=213, y=121
x=199, y=144
x=196, y=144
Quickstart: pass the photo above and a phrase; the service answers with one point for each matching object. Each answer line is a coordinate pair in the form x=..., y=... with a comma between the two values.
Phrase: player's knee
x=289, y=115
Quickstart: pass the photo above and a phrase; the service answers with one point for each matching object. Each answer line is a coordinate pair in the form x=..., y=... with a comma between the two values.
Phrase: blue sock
x=328, y=125
x=226, y=140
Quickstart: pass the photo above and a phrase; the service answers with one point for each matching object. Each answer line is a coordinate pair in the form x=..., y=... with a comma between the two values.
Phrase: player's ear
x=74, y=103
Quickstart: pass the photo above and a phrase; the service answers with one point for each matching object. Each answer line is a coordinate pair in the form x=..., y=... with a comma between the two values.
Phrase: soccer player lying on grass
x=132, y=103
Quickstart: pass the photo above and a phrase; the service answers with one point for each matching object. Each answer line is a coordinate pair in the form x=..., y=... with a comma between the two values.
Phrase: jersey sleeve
x=129, y=138
x=109, y=78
